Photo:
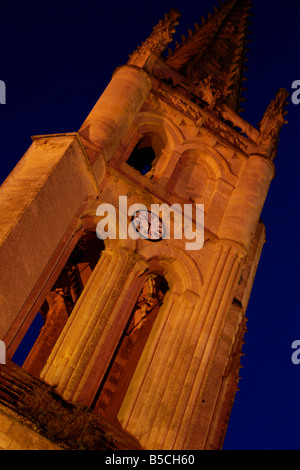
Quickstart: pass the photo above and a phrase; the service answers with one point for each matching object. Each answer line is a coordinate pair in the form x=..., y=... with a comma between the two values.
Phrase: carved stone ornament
x=161, y=36
x=271, y=124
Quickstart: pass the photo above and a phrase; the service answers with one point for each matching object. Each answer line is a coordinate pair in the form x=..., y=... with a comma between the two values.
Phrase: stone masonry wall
x=14, y=435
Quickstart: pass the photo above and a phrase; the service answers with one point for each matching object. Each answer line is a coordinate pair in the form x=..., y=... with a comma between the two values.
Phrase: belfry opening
x=130, y=347
x=147, y=150
x=58, y=305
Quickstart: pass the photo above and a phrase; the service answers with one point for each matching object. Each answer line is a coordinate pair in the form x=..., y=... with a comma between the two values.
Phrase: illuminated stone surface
x=182, y=369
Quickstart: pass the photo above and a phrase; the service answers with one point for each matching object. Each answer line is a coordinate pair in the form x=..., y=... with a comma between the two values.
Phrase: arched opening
x=119, y=373
x=147, y=150
x=41, y=336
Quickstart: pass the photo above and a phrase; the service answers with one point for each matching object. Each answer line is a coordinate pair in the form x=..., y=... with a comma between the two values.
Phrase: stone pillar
x=56, y=319
x=116, y=109
x=94, y=326
x=245, y=205
x=149, y=397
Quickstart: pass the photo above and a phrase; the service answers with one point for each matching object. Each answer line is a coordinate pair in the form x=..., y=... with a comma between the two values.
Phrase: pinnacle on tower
x=216, y=52
x=155, y=44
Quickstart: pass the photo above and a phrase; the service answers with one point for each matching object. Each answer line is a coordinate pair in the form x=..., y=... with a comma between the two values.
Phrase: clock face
x=148, y=225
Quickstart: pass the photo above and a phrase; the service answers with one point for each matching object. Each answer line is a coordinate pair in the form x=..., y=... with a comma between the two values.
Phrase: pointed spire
x=217, y=49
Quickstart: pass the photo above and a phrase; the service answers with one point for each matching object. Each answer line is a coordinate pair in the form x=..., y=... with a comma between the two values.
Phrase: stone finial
x=153, y=47
x=272, y=122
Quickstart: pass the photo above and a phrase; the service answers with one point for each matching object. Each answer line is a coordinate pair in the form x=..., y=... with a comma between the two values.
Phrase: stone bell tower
x=146, y=334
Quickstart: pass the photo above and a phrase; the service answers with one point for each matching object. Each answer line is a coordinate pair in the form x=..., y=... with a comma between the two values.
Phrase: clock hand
x=149, y=227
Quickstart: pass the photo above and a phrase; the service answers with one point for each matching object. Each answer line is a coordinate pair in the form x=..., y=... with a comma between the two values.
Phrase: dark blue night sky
x=57, y=58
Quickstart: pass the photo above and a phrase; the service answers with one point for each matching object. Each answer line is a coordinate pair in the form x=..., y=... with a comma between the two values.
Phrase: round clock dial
x=148, y=225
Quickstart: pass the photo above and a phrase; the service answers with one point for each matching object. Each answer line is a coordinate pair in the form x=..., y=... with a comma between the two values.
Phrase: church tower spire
x=216, y=49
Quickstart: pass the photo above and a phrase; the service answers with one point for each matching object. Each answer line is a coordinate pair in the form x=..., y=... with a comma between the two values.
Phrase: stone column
x=245, y=205
x=116, y=108
x=214, y=309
